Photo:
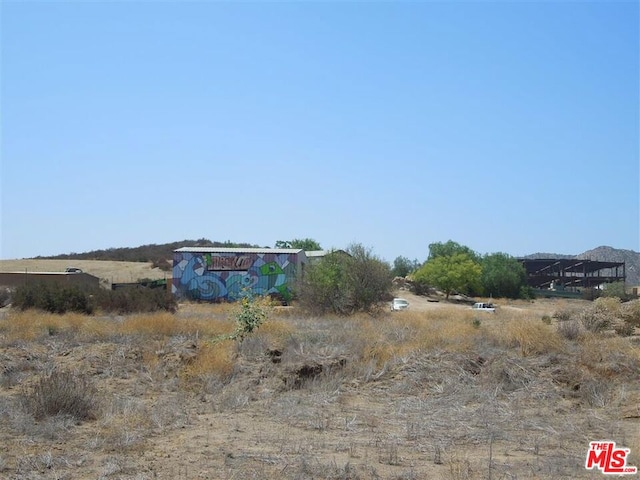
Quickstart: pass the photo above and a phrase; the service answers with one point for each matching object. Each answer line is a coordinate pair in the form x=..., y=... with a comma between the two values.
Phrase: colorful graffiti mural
x=229, y=276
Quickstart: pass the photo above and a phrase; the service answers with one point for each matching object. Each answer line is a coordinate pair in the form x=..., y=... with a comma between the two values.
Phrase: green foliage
x=251, y=315
x=616, y=289
x=345, y=284
x=53, y=298
x=451, y=273
x=402, y=266
x=306, y=244
x=449, y=249
x=58, y=299
x=370, y=278
x=503, y=276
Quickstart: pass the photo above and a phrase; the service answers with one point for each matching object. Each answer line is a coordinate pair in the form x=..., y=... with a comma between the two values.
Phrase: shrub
x=569, y=329
x=62, y=393
x=563, y=315
x=630, y=312
x=58, y=299
x=595, y=321
x=345, y=284
x=53, y=298
x=251, y=315
x=134, y=300
x=601, y=314
x=616, y=289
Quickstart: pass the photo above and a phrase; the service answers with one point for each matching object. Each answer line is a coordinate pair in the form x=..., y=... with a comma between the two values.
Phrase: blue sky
x=505, y=126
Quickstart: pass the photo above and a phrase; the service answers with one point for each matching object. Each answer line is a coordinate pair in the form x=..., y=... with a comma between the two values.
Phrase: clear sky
x=505, y=126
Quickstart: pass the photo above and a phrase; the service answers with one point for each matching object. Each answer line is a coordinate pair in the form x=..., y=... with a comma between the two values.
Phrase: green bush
x=53, y=298
x=250, y=315
x=57, y=299
x=345, y=284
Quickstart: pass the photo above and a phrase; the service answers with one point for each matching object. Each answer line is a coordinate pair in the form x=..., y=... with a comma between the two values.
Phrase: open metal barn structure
x=550, y=273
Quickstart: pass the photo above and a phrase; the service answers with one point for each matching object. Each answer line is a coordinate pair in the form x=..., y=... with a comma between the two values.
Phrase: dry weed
x=531, y=337
x=62, y=393
x=212, y=359
x=608, y=356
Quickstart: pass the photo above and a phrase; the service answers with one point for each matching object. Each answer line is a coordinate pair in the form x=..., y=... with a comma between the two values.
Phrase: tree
x=449, y=249
x=369, y=278
x=402, y=266
x=306, y=244
x=503, y=276
x=450, y=273
x=345, y=284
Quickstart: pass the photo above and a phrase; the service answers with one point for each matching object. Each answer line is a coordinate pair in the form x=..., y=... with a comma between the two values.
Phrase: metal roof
x=539, y=265
x=323, y=253
x=317, y=253
x=238, y=250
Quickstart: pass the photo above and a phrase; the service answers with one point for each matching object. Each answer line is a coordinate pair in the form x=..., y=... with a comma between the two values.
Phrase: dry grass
x=415, y=394
x=215, y=359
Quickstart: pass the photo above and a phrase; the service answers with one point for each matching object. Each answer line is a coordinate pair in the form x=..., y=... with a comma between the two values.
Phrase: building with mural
x=226, y=274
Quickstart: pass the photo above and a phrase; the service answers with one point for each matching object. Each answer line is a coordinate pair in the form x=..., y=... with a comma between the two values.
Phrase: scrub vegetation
x=436, y=391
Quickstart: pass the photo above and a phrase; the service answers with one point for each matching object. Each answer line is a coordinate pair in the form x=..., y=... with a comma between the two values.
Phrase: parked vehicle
x=399, y=304
x=72, y=270
x=484, y=307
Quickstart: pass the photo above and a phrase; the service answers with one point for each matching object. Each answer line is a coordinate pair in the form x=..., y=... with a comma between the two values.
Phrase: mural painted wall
x=228, y=276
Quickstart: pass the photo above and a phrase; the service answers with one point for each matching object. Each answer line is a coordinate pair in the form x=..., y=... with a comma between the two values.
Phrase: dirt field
x=436, y=392
x=110, y=272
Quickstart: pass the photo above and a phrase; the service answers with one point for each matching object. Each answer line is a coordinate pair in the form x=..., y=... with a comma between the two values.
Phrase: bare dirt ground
x=431, y=393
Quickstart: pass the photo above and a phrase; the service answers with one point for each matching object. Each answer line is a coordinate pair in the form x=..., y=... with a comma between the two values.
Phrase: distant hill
x=609, y=254
x=606, y=254
x=161, y=256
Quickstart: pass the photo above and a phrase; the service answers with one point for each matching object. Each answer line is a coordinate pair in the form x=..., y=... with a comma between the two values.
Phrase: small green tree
x=325, y=286
x=251, y=314
x=344, y=284
x=450, y=273
x=503, y=276
x=369, y=277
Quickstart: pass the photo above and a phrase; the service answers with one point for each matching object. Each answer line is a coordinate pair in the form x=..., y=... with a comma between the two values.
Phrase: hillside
x=609, y=254
x=159, y=255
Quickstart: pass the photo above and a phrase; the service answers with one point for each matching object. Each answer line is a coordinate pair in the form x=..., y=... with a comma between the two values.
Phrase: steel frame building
x=546, y=273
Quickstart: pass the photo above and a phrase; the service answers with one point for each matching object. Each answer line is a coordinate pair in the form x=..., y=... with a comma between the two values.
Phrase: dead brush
x=62, y=393
x=529, y=336
x=166, y=325
x=408, y=333
x=211, y=359
x=608, y=356
x=31, y=325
